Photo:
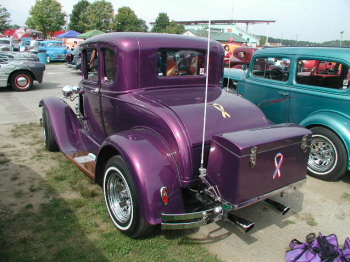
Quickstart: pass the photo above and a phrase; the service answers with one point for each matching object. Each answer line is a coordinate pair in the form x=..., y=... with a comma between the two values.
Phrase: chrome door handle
x=283, y=93
x=95, y=91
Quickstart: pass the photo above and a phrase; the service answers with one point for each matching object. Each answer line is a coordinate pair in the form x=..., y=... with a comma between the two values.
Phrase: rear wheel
x=21, y=81
x=49, y=135
x=328, y=156
x=120, y=196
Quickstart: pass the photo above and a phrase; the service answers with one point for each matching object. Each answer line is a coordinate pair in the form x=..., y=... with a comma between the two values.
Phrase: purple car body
x=138, y=132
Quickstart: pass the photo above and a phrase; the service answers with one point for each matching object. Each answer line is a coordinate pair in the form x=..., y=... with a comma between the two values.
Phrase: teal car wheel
x=328, y=156
x=48, y=59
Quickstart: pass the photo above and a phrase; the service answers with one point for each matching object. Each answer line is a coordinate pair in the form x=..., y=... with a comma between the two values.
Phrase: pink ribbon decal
x=278, y=165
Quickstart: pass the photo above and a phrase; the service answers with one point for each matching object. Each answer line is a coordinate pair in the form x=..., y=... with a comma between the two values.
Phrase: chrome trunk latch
x=252, y=159
x=304, y=145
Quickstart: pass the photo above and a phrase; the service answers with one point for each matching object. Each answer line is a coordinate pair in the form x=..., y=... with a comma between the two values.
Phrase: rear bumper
x=198, y=219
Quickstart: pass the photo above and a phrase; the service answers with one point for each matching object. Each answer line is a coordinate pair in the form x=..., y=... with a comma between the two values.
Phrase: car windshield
x=55, y=45
x=6, y=42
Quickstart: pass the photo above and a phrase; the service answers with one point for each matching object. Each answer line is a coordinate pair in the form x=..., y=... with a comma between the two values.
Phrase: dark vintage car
x=19, y=70
x=308, y=86
x=165, y=141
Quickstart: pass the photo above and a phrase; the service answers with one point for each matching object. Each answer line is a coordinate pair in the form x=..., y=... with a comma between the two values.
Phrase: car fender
x=335, y=121
x=152, y=166
x=65, y=124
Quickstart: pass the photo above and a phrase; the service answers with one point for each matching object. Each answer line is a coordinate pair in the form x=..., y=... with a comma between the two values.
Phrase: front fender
x=338, y=123
x=65, y=124
x=152, y=166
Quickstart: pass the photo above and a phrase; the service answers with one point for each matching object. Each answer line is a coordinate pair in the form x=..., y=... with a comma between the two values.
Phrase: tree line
x=290, y=42
x=47, y=16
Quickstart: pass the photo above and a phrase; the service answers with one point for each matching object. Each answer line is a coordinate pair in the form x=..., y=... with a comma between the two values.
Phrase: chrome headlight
x=67, y=91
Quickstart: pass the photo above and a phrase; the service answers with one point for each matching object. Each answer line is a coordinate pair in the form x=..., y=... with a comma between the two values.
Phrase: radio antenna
x=206, y=89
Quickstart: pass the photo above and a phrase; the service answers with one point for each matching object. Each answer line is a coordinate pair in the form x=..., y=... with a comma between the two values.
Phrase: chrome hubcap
x=119, y=197
x=22, y=81
x=323, y=155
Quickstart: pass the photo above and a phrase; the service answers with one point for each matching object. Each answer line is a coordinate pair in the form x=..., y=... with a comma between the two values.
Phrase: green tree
x=163, y=25
x=262, y=41
x=174, y=28
x=76, y=18
x=99, y=15
x=127, y=21
x=46, y=16
x=4, y=19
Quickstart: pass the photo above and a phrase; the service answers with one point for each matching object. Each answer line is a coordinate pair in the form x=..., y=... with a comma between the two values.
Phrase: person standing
x=22, y=46
x=33, y=45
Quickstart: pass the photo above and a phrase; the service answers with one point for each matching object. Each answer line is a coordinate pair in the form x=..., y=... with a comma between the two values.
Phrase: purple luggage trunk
x=241, y=174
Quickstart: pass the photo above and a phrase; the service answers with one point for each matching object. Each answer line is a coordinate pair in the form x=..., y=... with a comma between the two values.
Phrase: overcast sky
x=309, y=20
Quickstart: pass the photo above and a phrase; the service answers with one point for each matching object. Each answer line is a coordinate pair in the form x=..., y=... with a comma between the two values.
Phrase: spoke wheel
x=121, y=199
x=328, y=157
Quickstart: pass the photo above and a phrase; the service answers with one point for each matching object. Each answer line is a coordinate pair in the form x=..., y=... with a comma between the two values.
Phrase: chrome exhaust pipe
x=242, y=224
x=279, y=208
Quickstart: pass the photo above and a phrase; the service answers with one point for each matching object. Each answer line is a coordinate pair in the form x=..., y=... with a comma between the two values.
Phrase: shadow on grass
x=51, y=233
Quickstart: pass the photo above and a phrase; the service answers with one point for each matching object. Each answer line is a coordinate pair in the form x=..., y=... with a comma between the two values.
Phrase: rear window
x=172, y=63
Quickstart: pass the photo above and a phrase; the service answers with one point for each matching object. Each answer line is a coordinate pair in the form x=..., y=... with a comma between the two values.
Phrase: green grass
x=73, y=225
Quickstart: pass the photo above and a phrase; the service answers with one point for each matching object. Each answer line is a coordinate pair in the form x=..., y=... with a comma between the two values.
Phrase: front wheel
x=328, y=156
x=21, y=81
x=48, y=59
x=49, y=135
x=121, y=200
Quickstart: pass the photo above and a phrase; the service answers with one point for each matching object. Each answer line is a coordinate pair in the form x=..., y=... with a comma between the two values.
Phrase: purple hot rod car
x=138, y=132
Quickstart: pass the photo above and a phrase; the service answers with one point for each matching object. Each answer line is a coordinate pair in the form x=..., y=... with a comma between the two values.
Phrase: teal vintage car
x=55, y=50
x=308, y=86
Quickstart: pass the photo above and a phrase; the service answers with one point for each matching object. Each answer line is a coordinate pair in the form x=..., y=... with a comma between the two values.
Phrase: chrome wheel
x=119, y=197
x=328, y=157
x=21, y=81
x=323, y=155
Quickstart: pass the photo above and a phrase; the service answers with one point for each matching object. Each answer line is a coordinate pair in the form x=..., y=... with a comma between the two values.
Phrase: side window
x=91, y=64
x=328, y=74
x=274, y=68
x=180, y=63
x=109, y=61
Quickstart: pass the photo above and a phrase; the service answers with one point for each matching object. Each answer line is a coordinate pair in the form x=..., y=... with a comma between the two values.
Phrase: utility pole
x=341, y=36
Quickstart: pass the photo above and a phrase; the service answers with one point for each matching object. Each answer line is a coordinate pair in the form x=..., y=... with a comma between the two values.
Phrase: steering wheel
x=276, y=72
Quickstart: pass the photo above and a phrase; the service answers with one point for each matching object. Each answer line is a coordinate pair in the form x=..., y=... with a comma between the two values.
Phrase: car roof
x=336, y=52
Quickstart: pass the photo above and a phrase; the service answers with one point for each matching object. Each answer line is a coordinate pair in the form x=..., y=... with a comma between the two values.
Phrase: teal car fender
x=337, y=122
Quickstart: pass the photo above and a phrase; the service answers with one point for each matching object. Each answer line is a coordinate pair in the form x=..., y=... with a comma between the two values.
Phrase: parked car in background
x=6, y=44
x=238, y=62
x=138, y=133
x=73, y=59
x=308, y=86
x=20, y=69
x=55, y=50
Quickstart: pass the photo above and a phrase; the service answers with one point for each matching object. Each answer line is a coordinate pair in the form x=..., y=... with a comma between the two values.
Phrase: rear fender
x=334, y=121
x=152, y=167
x=65, y=124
